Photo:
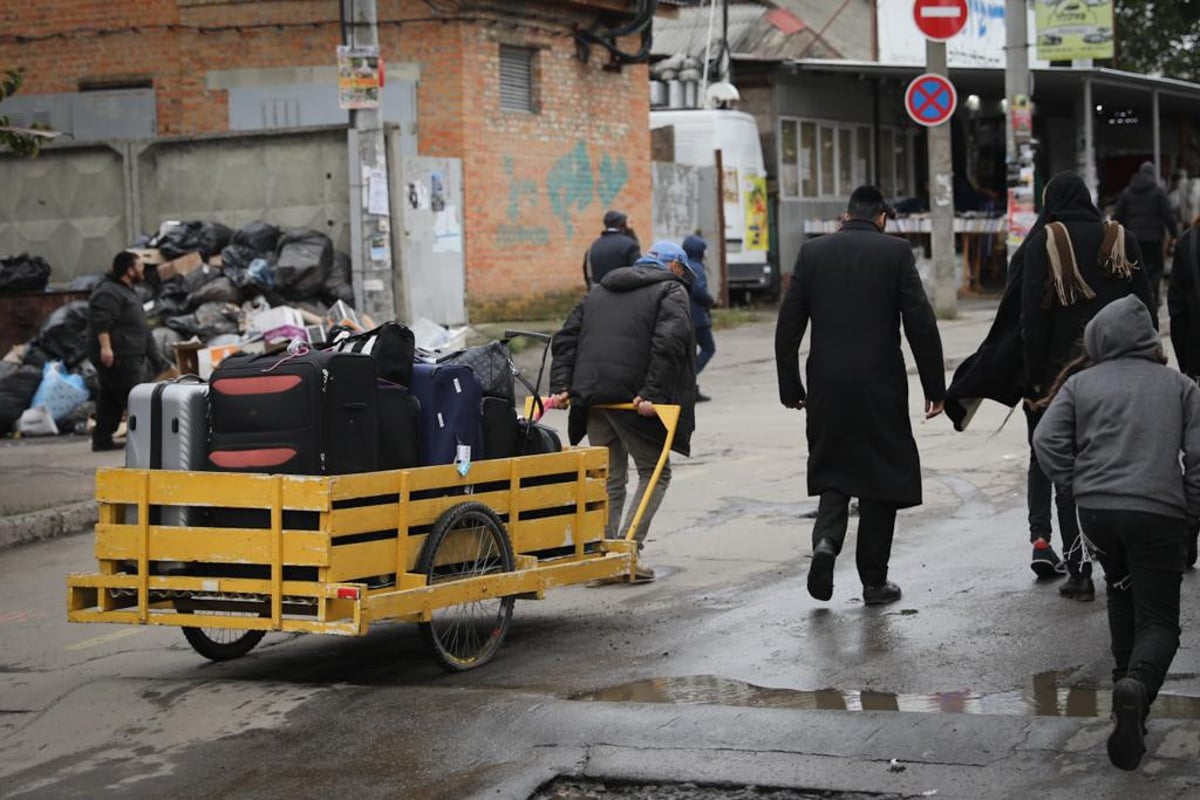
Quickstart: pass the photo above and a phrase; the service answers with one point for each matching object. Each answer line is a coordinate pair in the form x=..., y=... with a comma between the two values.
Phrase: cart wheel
x=220, y=644
x=467, y=541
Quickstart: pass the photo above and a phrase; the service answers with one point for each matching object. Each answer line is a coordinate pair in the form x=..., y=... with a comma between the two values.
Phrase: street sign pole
x=941, y=197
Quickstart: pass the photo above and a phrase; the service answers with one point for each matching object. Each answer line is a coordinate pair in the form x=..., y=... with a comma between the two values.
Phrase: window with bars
x=516, y=79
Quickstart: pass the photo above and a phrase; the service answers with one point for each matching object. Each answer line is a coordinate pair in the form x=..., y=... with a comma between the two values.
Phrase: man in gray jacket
x=1113, y=435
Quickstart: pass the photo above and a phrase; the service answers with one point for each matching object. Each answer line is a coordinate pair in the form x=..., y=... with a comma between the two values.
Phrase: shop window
x=516, y=78
x=831, y=159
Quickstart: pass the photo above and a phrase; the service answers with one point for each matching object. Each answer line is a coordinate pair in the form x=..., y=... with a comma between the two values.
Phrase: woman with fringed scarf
x=1075, y=265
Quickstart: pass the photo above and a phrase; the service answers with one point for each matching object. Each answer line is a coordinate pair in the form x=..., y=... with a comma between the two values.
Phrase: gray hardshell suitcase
x=168, y=429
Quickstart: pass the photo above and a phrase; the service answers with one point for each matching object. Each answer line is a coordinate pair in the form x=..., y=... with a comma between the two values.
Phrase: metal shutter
x=516, y=78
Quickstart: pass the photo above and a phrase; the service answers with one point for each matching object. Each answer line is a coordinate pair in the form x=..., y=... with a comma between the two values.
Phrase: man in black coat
x=630, y=340
x=856, y=286
x=617, y=246
x=1183, y=304
x=1144, y=209
x=118, y=342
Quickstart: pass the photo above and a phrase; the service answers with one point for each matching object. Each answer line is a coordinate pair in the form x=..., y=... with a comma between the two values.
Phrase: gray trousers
x=610, y=429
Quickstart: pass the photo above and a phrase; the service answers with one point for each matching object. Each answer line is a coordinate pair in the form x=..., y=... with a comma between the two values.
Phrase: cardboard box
x=149, y=255
x=185, y=357
x=210, y=358
x=277, y=317
x=181, y=266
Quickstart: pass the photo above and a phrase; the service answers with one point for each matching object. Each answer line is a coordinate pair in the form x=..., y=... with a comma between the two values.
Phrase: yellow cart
x=337, y=554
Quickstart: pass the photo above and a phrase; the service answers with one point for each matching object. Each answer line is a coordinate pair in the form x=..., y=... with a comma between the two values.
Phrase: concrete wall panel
x=67, y=205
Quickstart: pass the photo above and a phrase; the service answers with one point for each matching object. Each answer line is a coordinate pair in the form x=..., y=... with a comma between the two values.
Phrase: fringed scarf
x=1065, y=283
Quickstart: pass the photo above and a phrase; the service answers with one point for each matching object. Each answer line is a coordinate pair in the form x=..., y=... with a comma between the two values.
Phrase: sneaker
x=881, y=595
x=820, y=572
x=1078, y=587
x=1046, y=563
x=1126, y=744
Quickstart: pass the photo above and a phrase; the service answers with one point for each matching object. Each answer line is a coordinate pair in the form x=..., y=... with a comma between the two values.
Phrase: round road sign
x=930, y=99
x=940, y=19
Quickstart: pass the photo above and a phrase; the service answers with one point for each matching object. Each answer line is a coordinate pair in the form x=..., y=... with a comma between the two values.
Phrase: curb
x=37, y=526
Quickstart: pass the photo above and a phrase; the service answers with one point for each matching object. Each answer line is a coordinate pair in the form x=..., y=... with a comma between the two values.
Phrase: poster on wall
x=754, y=191
x=1074, y=29
x=359, y=77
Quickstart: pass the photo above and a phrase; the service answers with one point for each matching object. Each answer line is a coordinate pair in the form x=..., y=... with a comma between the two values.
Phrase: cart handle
x=669, y=414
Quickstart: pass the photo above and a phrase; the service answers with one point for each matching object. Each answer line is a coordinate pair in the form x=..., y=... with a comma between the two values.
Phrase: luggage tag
x=462, y=459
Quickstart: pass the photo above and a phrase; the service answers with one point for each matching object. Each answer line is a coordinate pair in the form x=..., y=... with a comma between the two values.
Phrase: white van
x=698, y=133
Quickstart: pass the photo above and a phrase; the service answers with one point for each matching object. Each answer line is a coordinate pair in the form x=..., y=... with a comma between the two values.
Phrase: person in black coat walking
x=630, y=340
x=856, y=286
x=1073, y=267
x=702, y=302
x=617, y=246
x=1183, y=304
x=118, y=342
x=1145, y=211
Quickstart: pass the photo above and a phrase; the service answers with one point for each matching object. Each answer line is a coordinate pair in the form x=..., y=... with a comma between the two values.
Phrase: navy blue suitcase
x=451, y=412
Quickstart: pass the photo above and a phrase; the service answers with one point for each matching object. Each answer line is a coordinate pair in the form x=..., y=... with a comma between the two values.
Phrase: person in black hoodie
x=630, y=340
x=118, y=342
x=1143, y=208
x=1183, y=304
x=616, y=246
x=1073, y=267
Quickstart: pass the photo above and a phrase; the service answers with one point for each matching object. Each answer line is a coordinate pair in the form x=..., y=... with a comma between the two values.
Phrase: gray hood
x=1145, y=179
x=1122, y=329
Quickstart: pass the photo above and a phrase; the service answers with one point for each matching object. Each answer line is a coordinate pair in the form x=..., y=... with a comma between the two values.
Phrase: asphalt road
x=980, y=683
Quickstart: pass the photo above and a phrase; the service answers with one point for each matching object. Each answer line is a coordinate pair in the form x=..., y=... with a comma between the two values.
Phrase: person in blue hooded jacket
x=702, y=301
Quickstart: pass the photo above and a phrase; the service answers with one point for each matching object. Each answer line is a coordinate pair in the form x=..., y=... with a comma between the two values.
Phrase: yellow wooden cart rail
x=335, y=554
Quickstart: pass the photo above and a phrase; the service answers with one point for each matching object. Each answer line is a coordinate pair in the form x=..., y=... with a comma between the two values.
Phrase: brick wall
x=535, y=185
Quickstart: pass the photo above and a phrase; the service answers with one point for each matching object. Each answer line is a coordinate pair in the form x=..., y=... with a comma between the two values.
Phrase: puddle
x=1044, y=697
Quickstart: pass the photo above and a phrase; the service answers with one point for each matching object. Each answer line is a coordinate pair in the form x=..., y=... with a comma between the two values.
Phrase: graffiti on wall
x=574, y=183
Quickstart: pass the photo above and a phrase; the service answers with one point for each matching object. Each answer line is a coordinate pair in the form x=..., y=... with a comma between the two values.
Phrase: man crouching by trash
x=630, y=340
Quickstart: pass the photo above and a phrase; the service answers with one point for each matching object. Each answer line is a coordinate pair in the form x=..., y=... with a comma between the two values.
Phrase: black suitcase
x=499, y=428
x=313, y=413
x=399, y=427
x=392, y=345
x=451, y=413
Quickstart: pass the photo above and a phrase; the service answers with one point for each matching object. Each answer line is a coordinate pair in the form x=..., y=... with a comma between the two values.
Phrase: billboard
x=1074, y=29
x=980, y=43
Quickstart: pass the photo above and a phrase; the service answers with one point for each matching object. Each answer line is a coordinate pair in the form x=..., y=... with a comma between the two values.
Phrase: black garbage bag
x=24, y=273
x=339, y=286
x=84, y=283
x=191, y=283
x=302, y=263
x=194, y=236
x=86, y=370
x=16, y=390
x=63, y=336
x=218, y=290
x=260, y=237
x=34, y=357
x=207, y=321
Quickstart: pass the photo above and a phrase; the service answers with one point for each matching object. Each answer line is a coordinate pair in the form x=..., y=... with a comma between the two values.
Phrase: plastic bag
x=193, y=236
x=24, y=273
x=303, y=263
x=16, y=390
x=59, y=392
x=37, y=421
x=63, y=336
x=338, y=286
x=220, y=290
x=260, y=237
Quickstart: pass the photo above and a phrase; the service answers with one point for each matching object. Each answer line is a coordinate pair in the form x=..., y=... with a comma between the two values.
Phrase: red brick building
x=539, y=167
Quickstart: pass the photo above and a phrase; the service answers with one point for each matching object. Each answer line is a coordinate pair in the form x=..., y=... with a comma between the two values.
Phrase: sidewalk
x=47, y=484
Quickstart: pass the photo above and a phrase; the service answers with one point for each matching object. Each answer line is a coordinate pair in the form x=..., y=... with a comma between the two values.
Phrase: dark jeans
x=704, y=340
x=1152, y=261
x=1038, y=494
x=876, y=526
x=1143, y=559
x=115, y=384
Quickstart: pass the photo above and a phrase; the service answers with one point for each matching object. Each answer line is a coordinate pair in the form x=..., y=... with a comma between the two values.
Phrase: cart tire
x=220, y=644
x=467, y=635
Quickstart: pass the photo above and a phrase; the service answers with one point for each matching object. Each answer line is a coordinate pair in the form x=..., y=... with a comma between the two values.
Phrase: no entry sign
x=940, y=19
x=930, y=99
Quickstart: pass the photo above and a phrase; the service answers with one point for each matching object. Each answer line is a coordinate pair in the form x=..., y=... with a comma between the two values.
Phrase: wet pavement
x=980, y=683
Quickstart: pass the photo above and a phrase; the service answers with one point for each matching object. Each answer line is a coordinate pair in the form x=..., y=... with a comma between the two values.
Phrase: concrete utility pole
x=941, y=197
x=375, y=279
x=1016, y=69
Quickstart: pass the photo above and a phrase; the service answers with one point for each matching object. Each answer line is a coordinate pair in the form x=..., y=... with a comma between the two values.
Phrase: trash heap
x=209, y=291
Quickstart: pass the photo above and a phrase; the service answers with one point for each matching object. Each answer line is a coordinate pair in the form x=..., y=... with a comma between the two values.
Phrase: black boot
x=820, y=573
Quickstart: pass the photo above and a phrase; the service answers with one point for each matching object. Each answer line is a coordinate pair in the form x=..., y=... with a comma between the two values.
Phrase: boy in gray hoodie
x=1113, y=435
